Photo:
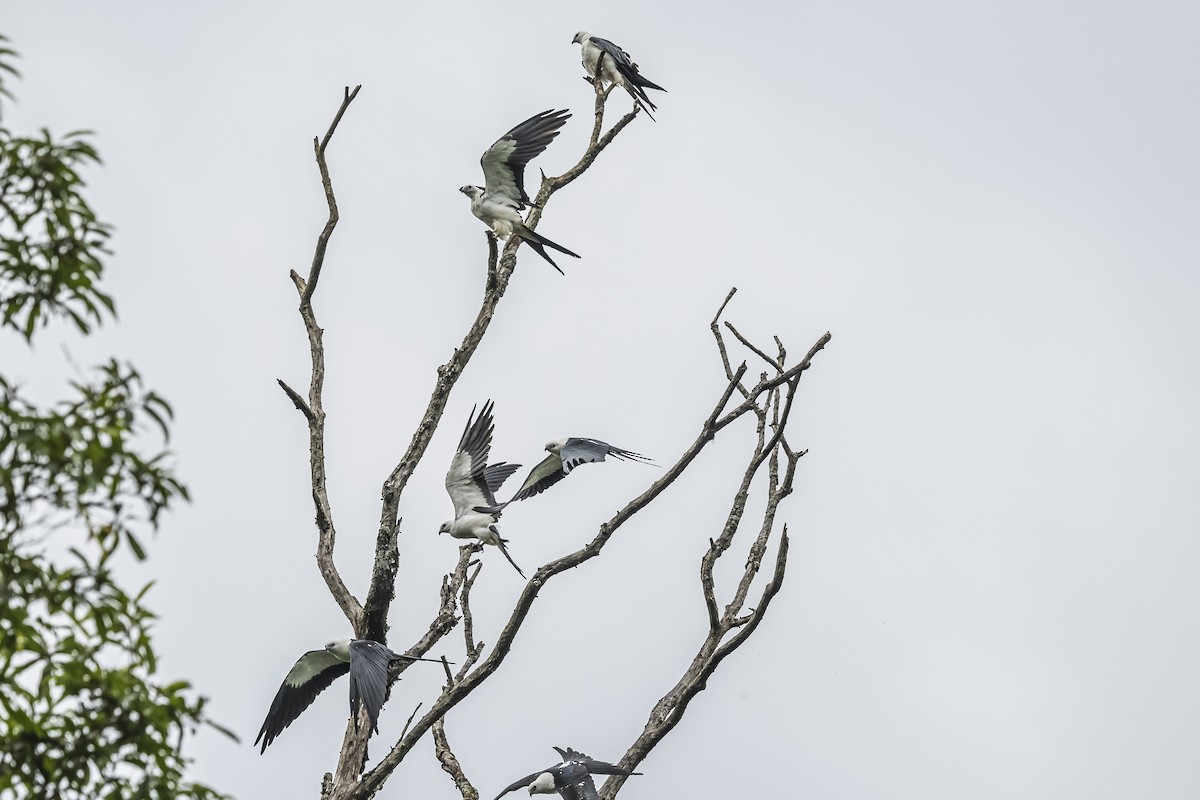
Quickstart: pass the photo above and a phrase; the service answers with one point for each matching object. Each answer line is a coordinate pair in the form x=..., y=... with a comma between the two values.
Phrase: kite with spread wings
x=565, y=455
x=471, y=483
x=365, y=660
x=500, y=201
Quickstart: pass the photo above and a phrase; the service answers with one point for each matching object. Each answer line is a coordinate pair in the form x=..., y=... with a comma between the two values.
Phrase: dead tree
x=733, y=615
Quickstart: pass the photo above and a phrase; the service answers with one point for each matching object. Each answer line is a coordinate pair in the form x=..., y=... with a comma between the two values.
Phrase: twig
x=296, y=399
x=314, y=272
x=411, y=716
x=474, y=649
x=441, y=748
x=746, y=342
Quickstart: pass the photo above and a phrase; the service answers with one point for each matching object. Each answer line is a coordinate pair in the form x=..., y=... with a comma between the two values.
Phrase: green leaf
x=138, y=551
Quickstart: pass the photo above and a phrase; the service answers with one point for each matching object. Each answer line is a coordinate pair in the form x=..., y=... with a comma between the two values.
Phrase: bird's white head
x=580, y=37
x=339, y=648
x=555, y=446
x=445, y=527
x=542, y=784
x=471, y=191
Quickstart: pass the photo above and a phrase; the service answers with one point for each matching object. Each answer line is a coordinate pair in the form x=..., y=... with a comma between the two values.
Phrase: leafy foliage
x=81, y=714
x=50, y=239
x=75, y=463
x=82, y=717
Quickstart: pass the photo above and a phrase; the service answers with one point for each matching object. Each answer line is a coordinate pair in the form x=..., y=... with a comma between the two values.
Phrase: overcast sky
x=993, y=206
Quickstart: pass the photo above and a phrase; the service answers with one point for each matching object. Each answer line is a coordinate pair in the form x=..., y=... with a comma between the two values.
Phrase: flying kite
x=366, y=661
x=565, y=455
x=472, y=483
x=572, y=779
x=604, y=60
x=499, y=203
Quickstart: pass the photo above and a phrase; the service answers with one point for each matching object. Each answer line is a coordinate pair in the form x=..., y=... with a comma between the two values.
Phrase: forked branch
x=763, y=397
x=732, y=626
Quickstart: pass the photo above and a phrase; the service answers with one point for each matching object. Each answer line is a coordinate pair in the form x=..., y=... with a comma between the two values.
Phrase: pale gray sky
x=993, y=208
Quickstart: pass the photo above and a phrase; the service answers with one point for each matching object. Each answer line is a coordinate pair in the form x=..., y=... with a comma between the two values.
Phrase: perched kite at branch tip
x=607, y=62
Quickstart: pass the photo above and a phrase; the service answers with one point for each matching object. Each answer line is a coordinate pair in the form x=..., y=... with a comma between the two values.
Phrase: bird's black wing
x=504, y=162
x=635, y=83
x=578, y=451
x=369, y=662
x=593, y=765
x=311, y=675
x=466, y=481
x=494, y=477
x=582, y=788
x=520, y=784
x=547, y=473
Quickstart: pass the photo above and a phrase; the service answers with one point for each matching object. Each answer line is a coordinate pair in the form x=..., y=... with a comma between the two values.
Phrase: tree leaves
x=51, y=242
x=79, y=460
x=81, y=713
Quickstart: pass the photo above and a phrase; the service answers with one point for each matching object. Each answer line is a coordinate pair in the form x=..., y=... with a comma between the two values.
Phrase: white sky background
x=992, y=206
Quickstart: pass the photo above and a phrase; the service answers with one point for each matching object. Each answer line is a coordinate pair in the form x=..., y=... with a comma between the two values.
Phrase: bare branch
x=733, y=520
x=411, y=716
x=716, y=331
x=769, y=592
x=296, y=399
x=447, y=616
x=474, y=649
x=766, y=384
x=746, y=343
x=441, y=748
x=314, y=272
x=669, y=711
x=314, y=410
x=718, y=643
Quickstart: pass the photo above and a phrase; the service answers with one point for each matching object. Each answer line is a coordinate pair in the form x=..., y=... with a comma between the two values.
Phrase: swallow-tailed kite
x=565, y=455
x=572, y=779
x=472, y=484
x=604, y=60
x=366, y=661
x=500, y=202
